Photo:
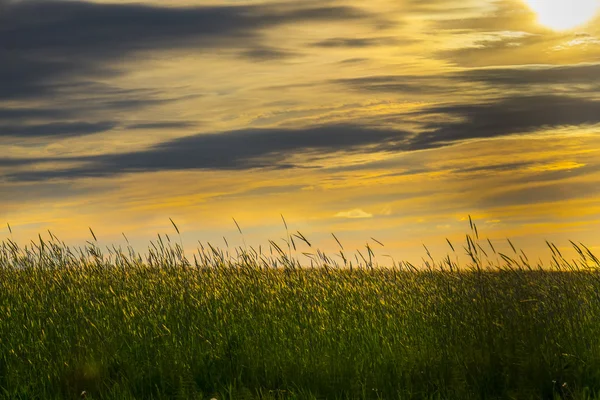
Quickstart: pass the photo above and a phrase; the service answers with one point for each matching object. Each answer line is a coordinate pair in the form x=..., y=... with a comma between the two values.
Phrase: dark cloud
x=355, y=60
x=534, y=75
x=356, y=42
x=555, y=175
x=235, y=150
x=524, y=114
x=546, y=193
x=79, y=117
x=44, y=44
x=505, y=167
x=23, y=193
x=123, y=104
x=29, y=114
x=18, y=162
x=59, y=130
x=272, y=148
x=95, y=31
x=58, y=52
x=77, y=100
x=414, y=84
x=162, y=125
x=265, y=53
x=517, y=78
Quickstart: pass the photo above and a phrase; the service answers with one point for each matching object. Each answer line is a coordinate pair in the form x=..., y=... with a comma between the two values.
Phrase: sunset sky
x=392, y=119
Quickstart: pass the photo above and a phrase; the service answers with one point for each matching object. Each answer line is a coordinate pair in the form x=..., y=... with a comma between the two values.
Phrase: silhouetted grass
x=251, y=325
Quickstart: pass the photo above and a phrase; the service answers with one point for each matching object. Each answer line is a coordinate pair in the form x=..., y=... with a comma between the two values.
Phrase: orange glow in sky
x=391, y=119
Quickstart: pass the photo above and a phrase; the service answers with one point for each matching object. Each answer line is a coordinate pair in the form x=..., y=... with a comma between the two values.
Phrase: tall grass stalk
x=246, y=324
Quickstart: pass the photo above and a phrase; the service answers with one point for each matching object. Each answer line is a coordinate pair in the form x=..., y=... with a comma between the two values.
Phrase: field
x=111, y=324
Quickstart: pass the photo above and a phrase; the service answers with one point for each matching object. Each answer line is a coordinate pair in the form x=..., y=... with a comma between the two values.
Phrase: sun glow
x=564, y=14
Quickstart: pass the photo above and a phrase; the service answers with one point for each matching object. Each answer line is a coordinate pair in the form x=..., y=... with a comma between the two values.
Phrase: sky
x=385, y=119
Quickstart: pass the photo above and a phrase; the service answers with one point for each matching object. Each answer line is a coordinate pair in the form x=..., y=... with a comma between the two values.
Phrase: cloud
x=45, y=45
x=489, y=117
x=276, y=148
x=58, y=55
x=162, y=125
x=519, y=78
x=32, y=114
x=353, y=214
x=355, y=60
x=82, y=110
x=266, y=53
x=506, y=101
x=233, y=150
x=560, y=191
x=495, y=168
x=506, y=15
x=353, y=42
x=508, y=33
x=529, y=75
x=555, y=172
x=56, y=129
x=506, y=48
x=18, y=162
x=79, y=28
x=513, y=115
x=32, y=192
x=413, y=84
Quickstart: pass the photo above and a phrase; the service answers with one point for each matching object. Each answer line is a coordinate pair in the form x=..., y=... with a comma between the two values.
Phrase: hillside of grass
x=111, y=324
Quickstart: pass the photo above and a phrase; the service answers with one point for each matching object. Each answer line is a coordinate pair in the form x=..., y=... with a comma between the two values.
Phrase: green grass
x=252, y=325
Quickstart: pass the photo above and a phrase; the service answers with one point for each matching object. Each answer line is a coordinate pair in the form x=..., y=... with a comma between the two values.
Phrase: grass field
x=251, y=325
